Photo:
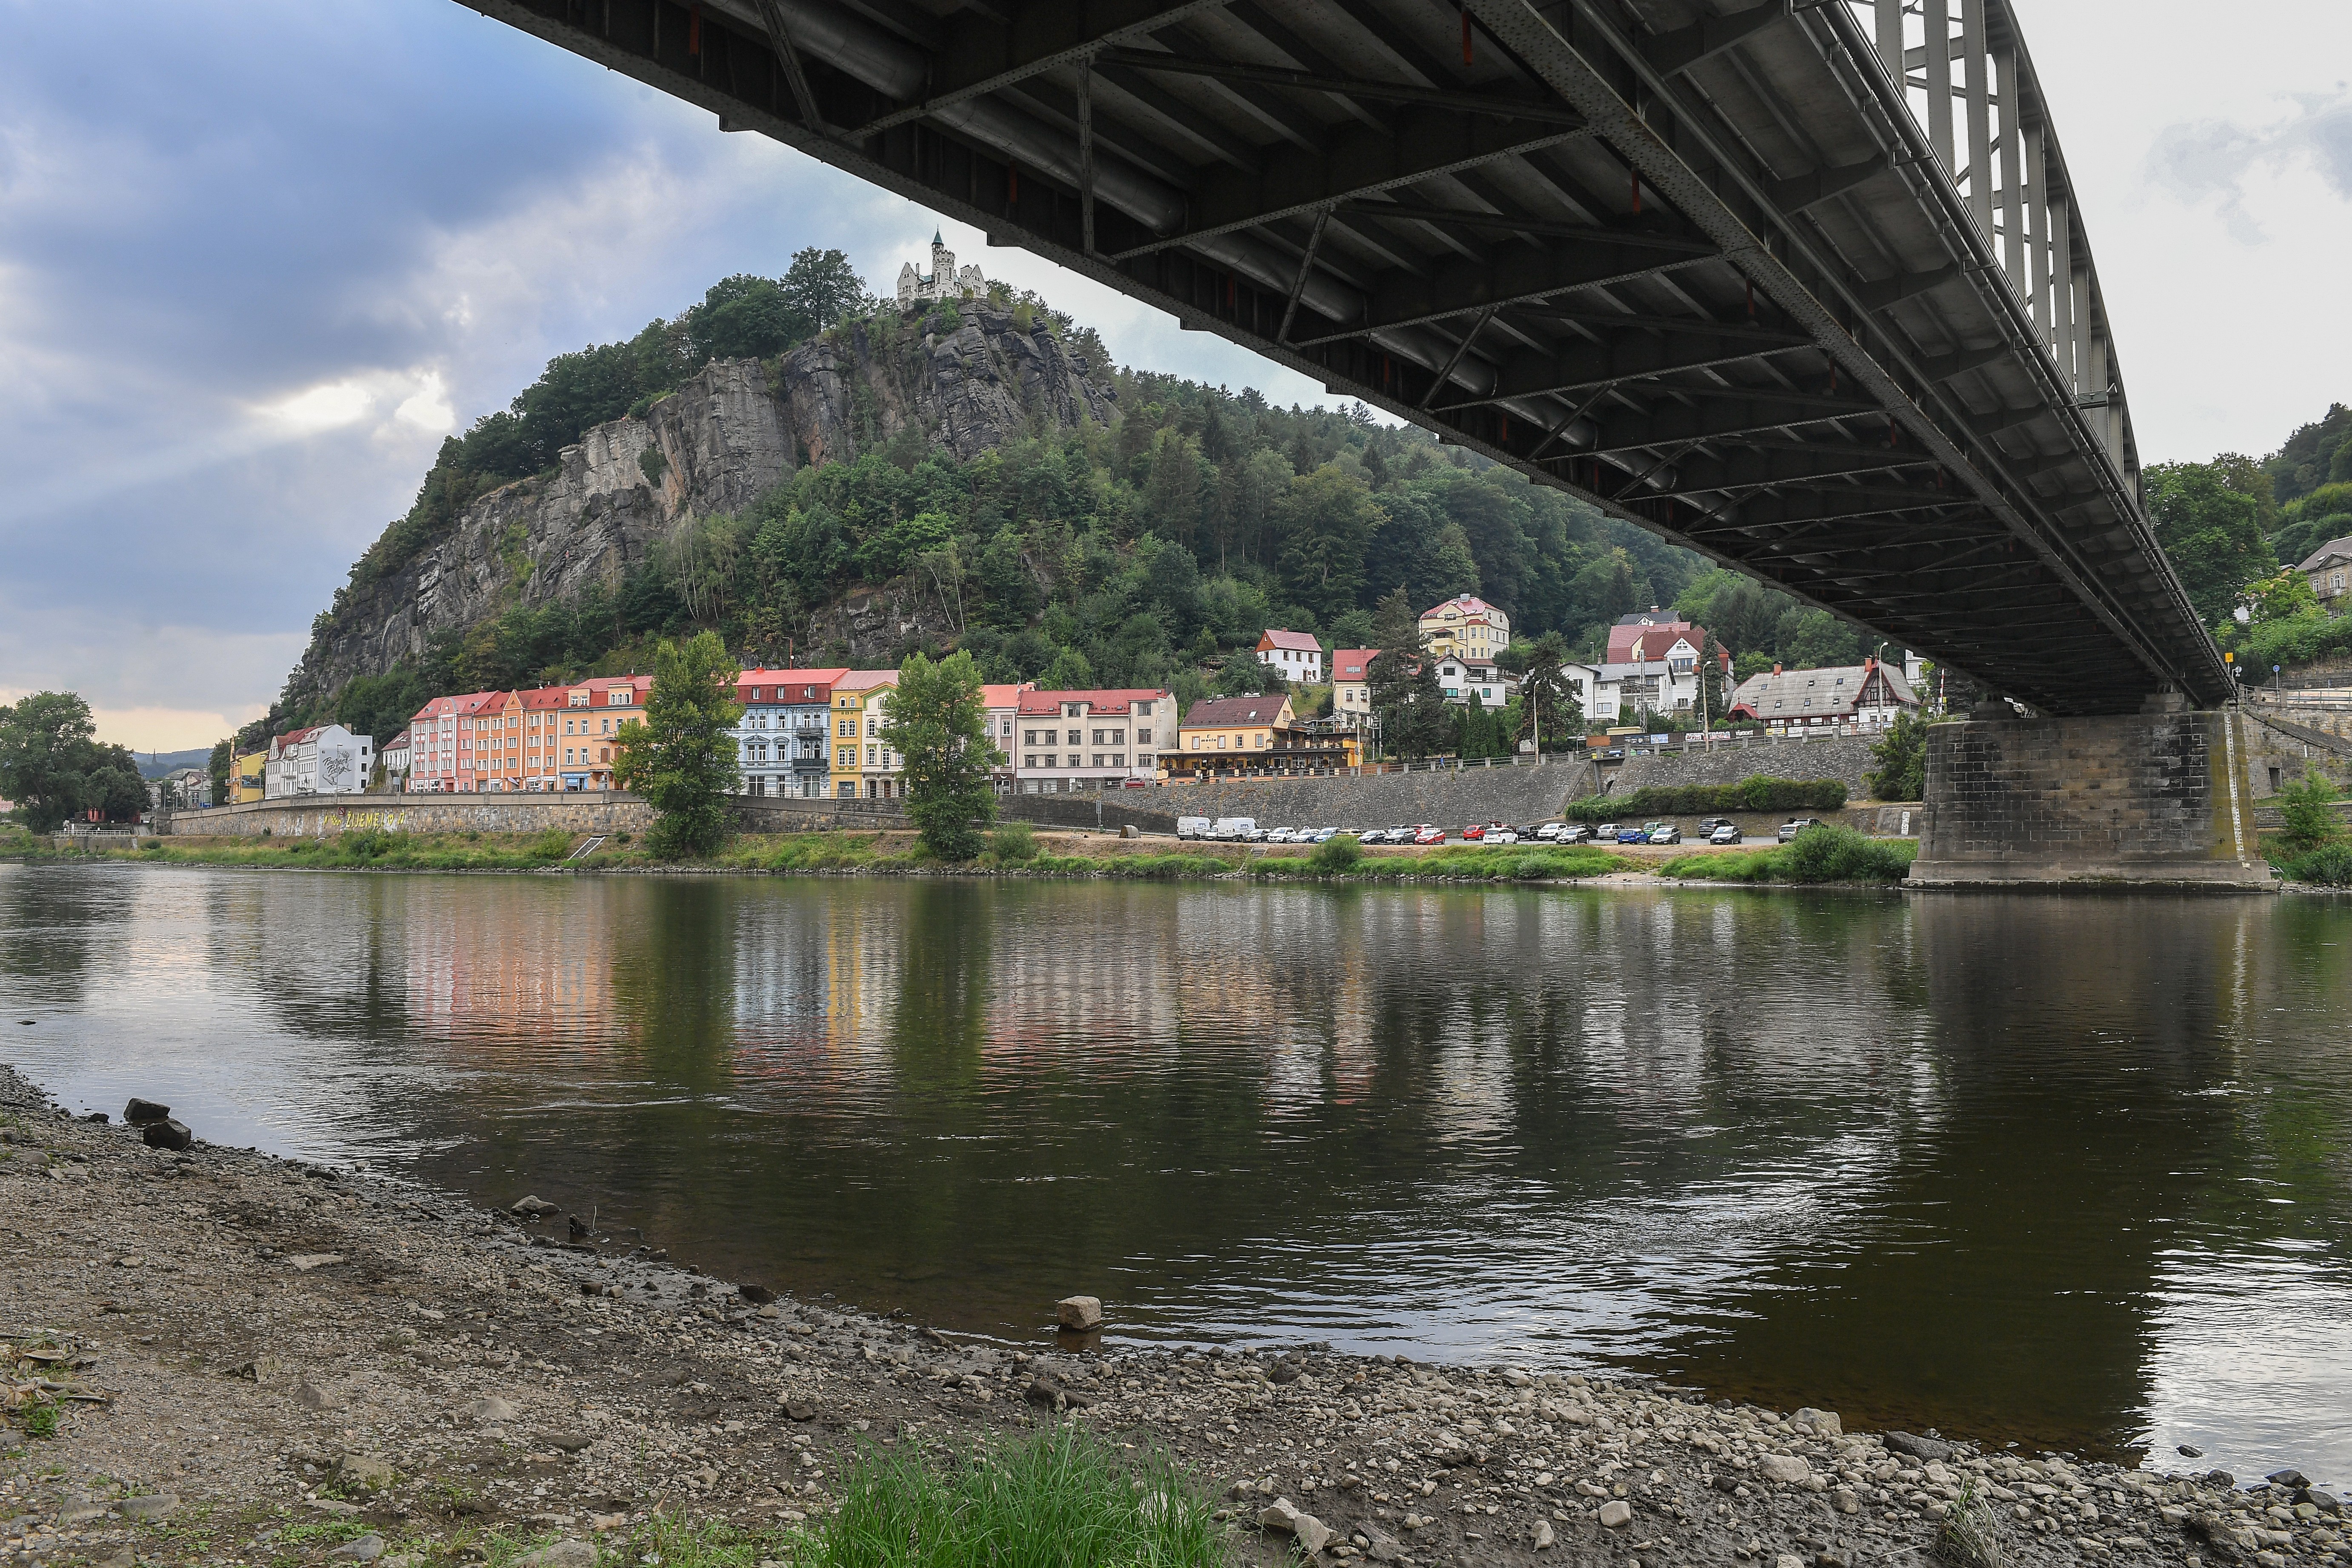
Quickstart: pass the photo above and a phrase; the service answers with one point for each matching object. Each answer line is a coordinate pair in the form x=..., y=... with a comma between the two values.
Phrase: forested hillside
x=1086, y=526
x=2236, y=526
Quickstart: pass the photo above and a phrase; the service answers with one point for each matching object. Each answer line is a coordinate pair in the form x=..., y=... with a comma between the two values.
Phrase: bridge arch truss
x=1802, y=286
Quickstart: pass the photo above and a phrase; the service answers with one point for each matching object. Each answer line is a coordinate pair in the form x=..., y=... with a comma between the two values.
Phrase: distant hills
x=155, y=765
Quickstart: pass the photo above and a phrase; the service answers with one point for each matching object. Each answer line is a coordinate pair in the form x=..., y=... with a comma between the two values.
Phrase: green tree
x=821, y=287
x=1070, y=671
x=936, y=721
x=48, y=749
x=1549, y=711
x=1326, y=519
x=2281, y=597
x=1414, y=720
x=2308, y=807
x=680, y=756
x=224, y=758
x=1902, y=753
x=2211, y=532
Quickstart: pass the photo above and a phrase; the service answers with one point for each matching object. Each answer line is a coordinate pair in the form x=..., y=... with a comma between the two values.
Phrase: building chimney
x=1776, y=669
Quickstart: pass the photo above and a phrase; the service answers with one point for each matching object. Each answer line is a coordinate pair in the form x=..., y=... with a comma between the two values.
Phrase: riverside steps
x=2153, y=799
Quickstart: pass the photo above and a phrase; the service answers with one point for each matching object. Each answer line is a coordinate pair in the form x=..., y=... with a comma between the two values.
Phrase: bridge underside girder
x=1704, y=272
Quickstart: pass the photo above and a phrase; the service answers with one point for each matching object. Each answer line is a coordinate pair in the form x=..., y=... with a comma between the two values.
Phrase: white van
x=1231, y=829
x=1192, y=828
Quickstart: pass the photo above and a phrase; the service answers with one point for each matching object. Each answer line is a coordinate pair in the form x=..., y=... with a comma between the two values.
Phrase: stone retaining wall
x=1845, y=758
x=1451, y=797
x=318, y=815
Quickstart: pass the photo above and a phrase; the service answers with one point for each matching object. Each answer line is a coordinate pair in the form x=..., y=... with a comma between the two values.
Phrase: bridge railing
x=2004, y=171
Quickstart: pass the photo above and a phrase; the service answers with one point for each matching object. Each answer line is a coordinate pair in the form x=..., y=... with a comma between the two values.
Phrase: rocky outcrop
x=731, y=434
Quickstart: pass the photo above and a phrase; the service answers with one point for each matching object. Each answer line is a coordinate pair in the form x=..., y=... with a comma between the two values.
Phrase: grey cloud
x=2214, y=157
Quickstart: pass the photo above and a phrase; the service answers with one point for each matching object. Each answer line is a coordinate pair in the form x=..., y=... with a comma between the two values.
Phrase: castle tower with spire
x=942, y=282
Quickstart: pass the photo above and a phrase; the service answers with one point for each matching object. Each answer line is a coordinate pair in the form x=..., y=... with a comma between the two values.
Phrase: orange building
x=550, y=738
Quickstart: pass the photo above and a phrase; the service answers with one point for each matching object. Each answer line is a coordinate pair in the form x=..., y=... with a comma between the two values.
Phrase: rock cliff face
x=731, y=433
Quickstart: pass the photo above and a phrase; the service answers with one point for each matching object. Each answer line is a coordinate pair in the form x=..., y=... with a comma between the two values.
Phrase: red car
x=1474, y=832
x=1428, y=835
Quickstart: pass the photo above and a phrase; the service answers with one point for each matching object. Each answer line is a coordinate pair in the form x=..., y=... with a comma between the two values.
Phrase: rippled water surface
x=2068, y=1172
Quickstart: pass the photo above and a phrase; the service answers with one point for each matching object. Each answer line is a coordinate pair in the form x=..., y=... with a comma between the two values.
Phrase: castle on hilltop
x=941, y=282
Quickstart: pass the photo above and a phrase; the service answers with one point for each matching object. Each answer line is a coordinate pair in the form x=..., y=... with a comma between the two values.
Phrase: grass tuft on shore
x=1062, y=1498
x=1823, y=854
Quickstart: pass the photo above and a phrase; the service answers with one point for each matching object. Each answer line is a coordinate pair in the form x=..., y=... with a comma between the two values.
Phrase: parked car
x=1323, y=835
x=1632, y=835
x=1550, y=830
x=1277, y=835
x=1606, y=832
x=1502, y=835
x=1797, y=825
x=1474, y=833
x=1426, y=835
x=1709, y=823
x=1725, y=833
x=1666, y=833
x=1255, y=835
x=1575, y=832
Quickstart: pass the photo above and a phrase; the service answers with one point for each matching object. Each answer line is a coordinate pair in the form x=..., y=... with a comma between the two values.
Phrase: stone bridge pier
x=2153, y=799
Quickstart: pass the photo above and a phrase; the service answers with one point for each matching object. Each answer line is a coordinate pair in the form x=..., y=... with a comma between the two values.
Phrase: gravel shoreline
x=254, y=1361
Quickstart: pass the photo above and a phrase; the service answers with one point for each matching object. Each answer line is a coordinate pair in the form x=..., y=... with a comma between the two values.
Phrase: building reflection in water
x=1993, y=1164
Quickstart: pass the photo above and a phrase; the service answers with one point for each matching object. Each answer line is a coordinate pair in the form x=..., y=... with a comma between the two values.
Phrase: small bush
x=1336, y=856
x=2327, y=867
x=1757, y=794
x=1830, y=854
x=620, y=838
x=552, y=845
x=1013, y=842
x=151, y=844
x=2308, y=807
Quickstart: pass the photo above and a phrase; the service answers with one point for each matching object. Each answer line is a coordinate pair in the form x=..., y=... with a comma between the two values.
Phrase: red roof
x=1353, y=663
x=1048, y=704
x=792, y=681
x=1470, y=605
x=1297, y=642
x=471, y=702
x=1222, y=711
x=1655, y=637
x=1004, y=695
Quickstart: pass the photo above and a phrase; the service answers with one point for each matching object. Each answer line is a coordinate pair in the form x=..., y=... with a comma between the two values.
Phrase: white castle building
x=942, y=281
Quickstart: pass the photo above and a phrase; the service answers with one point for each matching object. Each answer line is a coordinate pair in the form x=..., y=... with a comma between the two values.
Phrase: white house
x=325, y=759
x=1464, y=682
x=1866, y=696
x=1070, y=740
x=941, y=282
x=1298, y=656
x=1652, y=667
x=393, y=755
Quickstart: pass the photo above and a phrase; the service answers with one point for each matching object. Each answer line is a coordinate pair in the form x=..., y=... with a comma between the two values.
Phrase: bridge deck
x=1742, y=279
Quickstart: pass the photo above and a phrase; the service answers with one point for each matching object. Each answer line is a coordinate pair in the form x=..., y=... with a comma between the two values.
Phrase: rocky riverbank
x=220, y=1357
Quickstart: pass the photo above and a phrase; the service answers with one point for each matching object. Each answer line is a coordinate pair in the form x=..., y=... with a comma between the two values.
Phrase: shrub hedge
x=1757, y=793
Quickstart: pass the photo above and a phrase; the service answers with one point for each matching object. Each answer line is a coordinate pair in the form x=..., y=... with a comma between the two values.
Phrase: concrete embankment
x=250, y=1360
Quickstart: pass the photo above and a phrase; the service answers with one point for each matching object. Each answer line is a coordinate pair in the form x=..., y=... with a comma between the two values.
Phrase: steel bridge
x=1802, y=286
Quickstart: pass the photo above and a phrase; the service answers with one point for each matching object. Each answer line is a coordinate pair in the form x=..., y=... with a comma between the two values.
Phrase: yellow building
x=1467, y=626
x=245, y=777
x=863, y=767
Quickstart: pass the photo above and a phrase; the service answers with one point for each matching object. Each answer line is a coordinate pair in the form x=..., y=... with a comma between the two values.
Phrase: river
x=2066, y=1171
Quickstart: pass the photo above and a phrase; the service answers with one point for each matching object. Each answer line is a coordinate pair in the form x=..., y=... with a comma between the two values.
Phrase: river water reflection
x=2072, y=1172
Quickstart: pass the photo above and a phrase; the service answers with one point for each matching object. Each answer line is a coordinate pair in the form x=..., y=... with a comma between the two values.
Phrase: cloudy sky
x=257, y=259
